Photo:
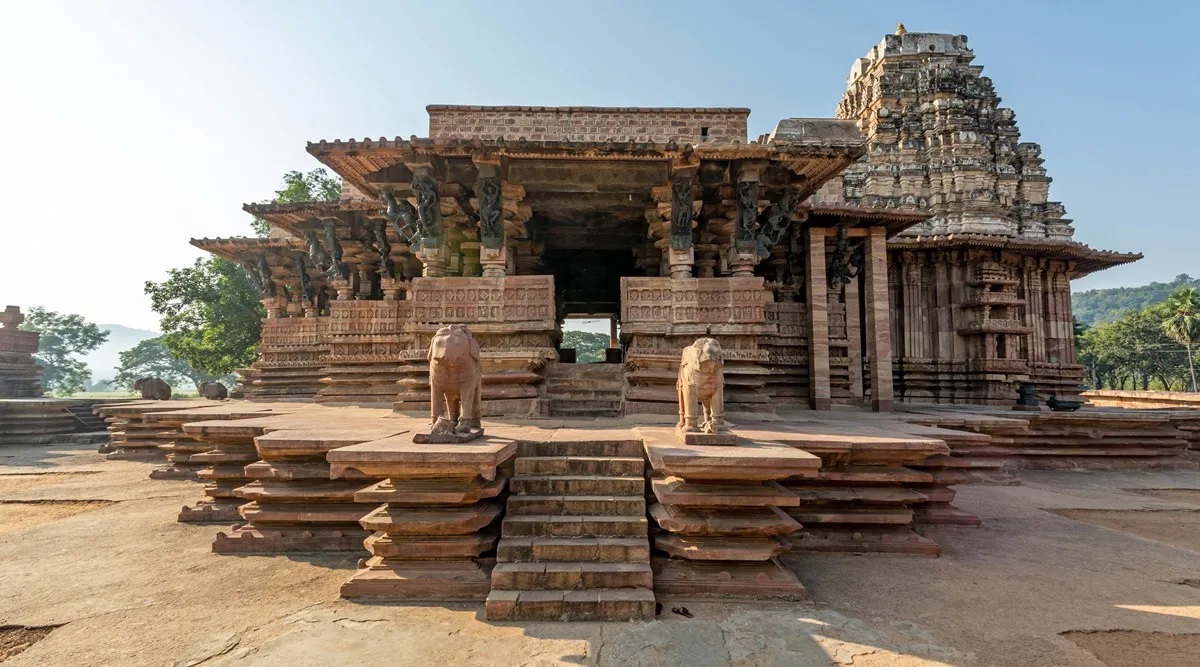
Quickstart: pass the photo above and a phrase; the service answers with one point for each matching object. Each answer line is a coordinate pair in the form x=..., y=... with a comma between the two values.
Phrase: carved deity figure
x=429, y=214
x=747, y=210
x=387, y=267
x=260, y=274
x=153, y=389
x=336, y=269
x=775, y=225
x=402, y=216
x=455, y=380
x=306, y=288
x=214, y=391
x=316, y=252
x=491, y=212
x=702, y=381
x=681, y=214
x=844, y=263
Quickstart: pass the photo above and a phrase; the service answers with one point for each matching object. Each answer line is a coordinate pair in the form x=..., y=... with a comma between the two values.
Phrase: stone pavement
x=127, y=584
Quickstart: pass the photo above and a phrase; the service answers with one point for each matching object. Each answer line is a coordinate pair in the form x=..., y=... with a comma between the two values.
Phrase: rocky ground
x=1069, y=569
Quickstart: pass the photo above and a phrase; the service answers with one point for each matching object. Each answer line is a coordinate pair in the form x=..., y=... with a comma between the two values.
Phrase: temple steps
x=574, y=543
x=586, y=390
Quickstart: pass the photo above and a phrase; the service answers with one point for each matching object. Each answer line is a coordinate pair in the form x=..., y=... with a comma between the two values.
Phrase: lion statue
x=153, y=388
x=455, y=380
x=702, y=379
x=214, y=391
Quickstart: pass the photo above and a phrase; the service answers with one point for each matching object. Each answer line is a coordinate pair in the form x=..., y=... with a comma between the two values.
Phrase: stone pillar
x=613, y=341
x=271, y=305
x=744, y=253
x=817, y=286
x=879, y=345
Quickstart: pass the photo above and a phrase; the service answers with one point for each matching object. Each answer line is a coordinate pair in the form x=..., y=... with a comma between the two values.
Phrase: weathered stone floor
x=129, y=585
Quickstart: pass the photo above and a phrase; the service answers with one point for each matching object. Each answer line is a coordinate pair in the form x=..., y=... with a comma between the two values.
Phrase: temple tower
x=981, y=288
x=938, y=138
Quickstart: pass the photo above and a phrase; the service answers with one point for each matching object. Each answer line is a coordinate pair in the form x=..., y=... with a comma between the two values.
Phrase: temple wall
x=588, y=123
x=970, y=325
x=661, y=316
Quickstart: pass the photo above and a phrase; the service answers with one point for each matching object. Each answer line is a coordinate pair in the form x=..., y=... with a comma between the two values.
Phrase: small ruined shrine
x=906, y=250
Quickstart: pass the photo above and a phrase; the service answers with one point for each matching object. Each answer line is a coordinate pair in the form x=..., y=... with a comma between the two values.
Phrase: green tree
x=1181, y=322
x=62, y=338
x=151, y=358
x=211, y=317
x=316, y=185
x=589, y=346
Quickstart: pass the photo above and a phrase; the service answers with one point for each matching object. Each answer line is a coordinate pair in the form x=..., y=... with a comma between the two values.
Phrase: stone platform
x=590, y=519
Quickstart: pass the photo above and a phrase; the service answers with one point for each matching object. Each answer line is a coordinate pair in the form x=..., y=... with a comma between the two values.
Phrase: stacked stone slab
x=585, y=390
x=1089, y=439
x=133, y=436
x=20, y=376
x=183, y=446
x=291, y=357
x=574, y=543
x=863, y=498
x=722, y=514
x=435, y=524
x=293, y=504
x=230, y=449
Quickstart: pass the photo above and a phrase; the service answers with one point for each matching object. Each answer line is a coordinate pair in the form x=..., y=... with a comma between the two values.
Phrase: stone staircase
x=573, y=544
x=586, y=390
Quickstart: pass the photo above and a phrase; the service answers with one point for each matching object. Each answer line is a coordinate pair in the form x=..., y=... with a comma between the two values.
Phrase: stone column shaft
x=879, y=345
x=817, y=286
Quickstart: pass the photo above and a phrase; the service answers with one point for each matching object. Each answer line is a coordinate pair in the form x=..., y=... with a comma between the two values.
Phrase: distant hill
x=1105, y=305
x=104, y=360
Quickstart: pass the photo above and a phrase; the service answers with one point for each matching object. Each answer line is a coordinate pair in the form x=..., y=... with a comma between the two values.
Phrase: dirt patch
x=1194, y=583
x=1133, y=648
x=1191, y=496
x=1180, y=528
x=17, y=481
x=21, y=514
x=16, y=638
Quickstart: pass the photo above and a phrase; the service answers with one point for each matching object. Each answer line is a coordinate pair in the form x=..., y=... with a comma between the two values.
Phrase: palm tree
x=1182, y=322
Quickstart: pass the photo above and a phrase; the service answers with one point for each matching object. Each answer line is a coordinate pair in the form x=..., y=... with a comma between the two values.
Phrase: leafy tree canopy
x=1134, y=351
x=151, y=358
x=211, y=315
x=62, y=339
x=589, y=345
x=316, y=185
x=1181, y=323
x=1106, y=305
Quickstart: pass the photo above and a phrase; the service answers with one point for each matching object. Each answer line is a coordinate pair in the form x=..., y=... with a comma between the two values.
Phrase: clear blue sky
x=132, y=126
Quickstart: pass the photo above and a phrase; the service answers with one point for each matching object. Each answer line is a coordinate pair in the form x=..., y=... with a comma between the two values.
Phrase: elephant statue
x=702, y=380
x=214, y=391
x=153, y=388
x=455, y=381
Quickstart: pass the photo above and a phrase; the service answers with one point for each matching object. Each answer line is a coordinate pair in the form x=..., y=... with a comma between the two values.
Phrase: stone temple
x=861, y=299
x=904, y=251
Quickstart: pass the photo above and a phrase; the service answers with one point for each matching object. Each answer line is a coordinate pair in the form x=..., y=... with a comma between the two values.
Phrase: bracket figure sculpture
x=701, y=389
x=455, y=385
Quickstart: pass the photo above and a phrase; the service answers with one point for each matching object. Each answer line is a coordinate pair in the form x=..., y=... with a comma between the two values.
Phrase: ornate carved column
x=429, y=221
x=682, y=256
x=493, y=244
x=817, y=287
x=259, y=273
x=879, y=344
x=744, y=253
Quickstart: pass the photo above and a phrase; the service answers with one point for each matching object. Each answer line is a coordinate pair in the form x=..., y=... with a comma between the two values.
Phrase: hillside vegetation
x=1098, y=306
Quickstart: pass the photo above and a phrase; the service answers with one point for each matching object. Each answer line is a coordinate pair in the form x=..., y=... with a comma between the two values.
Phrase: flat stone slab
x=706, y=548
x=447, y=438
x=742, y=522
x=317, y=441
x=419, y=580
x=398, y=457
x=398, y=521
x=753, y=580
x=727, y=439
x=863, y=540
x=678, y=491
x=749, y=460
x=432, y=491
x=273, y=539
x=432, y=547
